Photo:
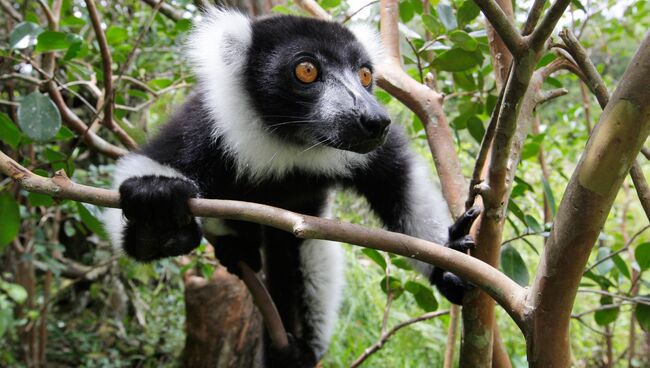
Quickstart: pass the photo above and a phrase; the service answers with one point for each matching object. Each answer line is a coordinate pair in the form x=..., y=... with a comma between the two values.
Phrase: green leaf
x=532, y=223
x=578, y=5
x=38, y=117
x=455, y=60
x=467, y=12
x=89, y=214
x=433, y=25
x=549, y=196
x=401, y=262
x=183, y=25
x=513, y=265
x=475, y=127
x=14, y=291
x=9, y=132
x=328, y=4
x=463, y=40
x=512, y=207
x=426, y=300
x=73, y=21
x=412, y=287
x=375, y=256
x=52, y=41
x=382, y=96
x=6, y=317
x=642, y=256
x=406, y=11
x=393, y=285
x=37, y=199
x=116, y=35
x=24, y=35
x=643, y=314
x=10, y=215
x=622, y=266
x=606, y=316
x=447, y=17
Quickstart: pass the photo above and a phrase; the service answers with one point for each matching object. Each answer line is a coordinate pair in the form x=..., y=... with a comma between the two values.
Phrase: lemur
x=283, y=114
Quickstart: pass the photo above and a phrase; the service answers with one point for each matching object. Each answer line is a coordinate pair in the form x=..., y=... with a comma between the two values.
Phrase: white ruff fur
x=131, y=165
x=218, y=48
x=322, y=264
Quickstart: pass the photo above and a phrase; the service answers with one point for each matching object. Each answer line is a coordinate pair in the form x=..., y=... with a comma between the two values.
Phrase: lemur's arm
x=398, y=187
x=155, y=220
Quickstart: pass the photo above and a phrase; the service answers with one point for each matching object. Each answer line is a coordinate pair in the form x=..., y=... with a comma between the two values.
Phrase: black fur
x=159, y=222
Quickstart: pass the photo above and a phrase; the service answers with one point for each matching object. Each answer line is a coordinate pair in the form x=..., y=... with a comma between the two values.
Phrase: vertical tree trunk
x=224, y=328
x=610, y=152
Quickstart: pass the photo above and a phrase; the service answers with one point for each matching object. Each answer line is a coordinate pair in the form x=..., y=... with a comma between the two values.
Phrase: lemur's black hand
x=297, y=355
x=450, y=285
x=459, y=238
x=159, y=221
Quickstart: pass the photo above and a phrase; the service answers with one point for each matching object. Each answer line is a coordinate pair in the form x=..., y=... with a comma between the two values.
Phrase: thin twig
x=166, y=10
x=625, y=247
x=387, y=335
x=107, y=62
x=6, y=5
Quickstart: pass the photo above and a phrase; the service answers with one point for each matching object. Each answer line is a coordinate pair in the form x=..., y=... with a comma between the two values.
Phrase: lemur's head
x=308, y=81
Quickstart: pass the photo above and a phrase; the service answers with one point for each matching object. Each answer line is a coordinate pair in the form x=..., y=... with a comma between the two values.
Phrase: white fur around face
x=370, y=40
x=131, y=165
x=218, y=49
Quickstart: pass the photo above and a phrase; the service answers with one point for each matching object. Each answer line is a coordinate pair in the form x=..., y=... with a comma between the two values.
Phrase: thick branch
x=426, y=103
x=503, y=25
x=610, y=152
x=595, y=82
x=500, y=287
x=545, y=28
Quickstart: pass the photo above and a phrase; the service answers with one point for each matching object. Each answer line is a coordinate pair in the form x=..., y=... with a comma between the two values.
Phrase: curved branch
x=107, y=62
x=505, y=291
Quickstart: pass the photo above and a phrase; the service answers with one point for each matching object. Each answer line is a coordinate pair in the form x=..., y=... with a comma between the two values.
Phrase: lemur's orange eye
x=306, y=72
x=365, y=76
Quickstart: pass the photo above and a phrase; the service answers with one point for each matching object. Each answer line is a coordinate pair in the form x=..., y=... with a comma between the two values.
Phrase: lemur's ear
x=369, y=38
x=220, y=40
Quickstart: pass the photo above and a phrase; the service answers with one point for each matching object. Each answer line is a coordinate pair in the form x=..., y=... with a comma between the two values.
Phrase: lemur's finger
x=464, y=223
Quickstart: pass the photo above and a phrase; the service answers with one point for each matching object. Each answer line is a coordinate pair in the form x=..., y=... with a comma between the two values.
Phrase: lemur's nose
x=375, y=124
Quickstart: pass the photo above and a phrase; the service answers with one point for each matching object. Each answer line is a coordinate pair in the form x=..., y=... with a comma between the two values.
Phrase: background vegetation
x=67, y=299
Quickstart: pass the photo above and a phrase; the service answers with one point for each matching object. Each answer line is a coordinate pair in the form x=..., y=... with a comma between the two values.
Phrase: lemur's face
x=312, y=84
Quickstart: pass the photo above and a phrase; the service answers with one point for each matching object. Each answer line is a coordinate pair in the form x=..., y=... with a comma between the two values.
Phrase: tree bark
x=611, y=150
x=223, y=327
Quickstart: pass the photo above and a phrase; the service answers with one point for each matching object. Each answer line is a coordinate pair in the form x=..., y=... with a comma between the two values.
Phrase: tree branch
x=503, y=25
x=13, y=13
x=533, y=16
x=500, y=287
x=107, y=62
x=166, y=9
x=588, y=198
x=388, y=334
x=313, y=9
x=545, y=28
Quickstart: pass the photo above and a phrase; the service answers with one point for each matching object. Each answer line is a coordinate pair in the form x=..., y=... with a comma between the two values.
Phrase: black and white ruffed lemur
x=283, y=114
